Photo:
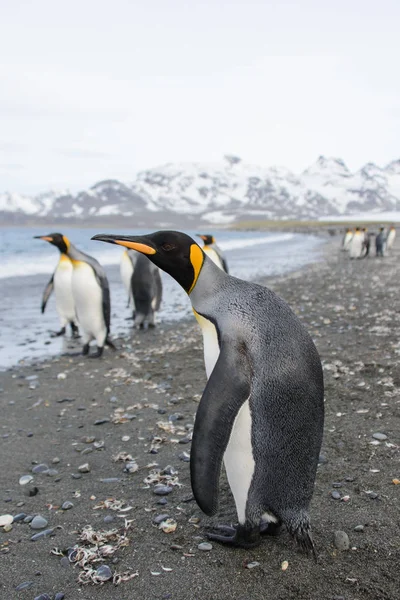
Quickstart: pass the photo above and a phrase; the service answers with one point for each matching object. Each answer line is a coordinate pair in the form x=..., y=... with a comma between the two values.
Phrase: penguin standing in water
x=126, y=267
x=262, y=409
x=91, y=294
x=213, y=251
x=146, y=289
x=61, y=283
x=356, y=244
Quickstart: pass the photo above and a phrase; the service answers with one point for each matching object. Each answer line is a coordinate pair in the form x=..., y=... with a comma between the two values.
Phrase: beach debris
x=122, y=456
x=168, y=526
x=61, y=376
x=396, y=481
x=284, y=565
x=6, y=520
x=113, y=504
x=120, y=416
x=96, y=547
x=359, y=528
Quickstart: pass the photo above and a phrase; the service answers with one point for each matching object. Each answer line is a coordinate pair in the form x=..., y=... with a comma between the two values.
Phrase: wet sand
x=49, y=410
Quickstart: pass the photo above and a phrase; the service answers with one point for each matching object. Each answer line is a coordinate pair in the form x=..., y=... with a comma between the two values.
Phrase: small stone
x=160, y=518
x=31, y=491
x=336, y=485
x=205, y=546
x=252, y=565
x=55, y=460
x=108, y=519
x=24, y=586
x=184, y=456
x=359, y=528
x=125, y=438
x=99, y=445
x=64, y=562
x=131, y=467
x=76, y=475
x=42, y=534
x=62, y=376
x=28, y=519
x=373, y=495
x=52, y=473
x=89, y=439
x=341, y=540
x=43, y=597
x=7, y=528
x=66, y=400
x=162, y=501
x=39, y=522
x=101, y=421
x=322, y=459
x=169, y=470
x=110, y=480
x=67, y=505
x=59, y=596
x=103, y=573
x=25, y=479
x=379, y=436
x=85, y=468
x=6, y=520
x=185, y=440
x=19, y=517
x=335, y=495
x=42, y=468
x=162, y=490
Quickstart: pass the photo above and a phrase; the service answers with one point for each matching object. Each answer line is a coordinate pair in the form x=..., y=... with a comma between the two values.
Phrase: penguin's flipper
x=226, y=391
x=224, y=264
x=47, y=293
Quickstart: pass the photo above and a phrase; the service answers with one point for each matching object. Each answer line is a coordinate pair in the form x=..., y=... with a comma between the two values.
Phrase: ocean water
x=26, y=266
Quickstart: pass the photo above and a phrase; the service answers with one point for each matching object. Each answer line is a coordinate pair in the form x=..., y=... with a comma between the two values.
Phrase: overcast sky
x=95, y=89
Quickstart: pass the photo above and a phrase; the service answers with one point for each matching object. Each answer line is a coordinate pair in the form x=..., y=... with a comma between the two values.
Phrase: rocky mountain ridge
x=217, y=193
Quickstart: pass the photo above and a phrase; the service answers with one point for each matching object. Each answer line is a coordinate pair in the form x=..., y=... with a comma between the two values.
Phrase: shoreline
x=66, y=407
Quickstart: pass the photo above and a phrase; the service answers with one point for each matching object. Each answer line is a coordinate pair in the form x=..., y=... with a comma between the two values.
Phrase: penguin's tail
x=110, y=344
x=299, y=527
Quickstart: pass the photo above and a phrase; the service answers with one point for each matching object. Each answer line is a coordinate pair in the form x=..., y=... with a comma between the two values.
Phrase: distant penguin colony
x=213, y=251
x=358, y=243
x=262, y=409
x=61, y=283
x=90, y=292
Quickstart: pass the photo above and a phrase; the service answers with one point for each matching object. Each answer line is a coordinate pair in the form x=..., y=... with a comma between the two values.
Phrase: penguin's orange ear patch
x=197, y=259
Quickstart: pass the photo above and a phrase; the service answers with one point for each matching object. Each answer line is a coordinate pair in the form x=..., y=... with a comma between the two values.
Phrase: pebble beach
x=95, y=472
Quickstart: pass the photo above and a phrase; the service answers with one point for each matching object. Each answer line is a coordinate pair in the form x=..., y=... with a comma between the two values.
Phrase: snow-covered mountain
x=218, y=193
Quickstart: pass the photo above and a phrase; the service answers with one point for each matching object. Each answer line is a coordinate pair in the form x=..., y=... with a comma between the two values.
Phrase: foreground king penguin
x=91, y=294
x=262, y=409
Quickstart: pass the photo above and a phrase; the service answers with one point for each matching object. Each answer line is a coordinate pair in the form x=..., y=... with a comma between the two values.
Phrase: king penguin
x=262, y=410
x=91, y=294
x=146, y=289
x=214, y=251
x=391, y=236
x=127, y=265
x=61, y=283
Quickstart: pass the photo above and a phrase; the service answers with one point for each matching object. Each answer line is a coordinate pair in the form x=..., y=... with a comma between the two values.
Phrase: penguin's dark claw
x=58, y=333
x=240, y=536
x=98, y=353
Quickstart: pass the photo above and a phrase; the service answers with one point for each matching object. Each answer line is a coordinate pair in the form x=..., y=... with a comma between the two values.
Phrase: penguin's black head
x=207, y=238
x=57, y=239
x=174, y=252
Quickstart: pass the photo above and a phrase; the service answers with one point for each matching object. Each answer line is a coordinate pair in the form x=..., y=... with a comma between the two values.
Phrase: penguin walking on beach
x=380, y=242
x=61, y=283
x=146, y=290
x=91, y=294
x=214, y=251
x=356, y=244
x=366, y=242
x=391, y=236
x=127, y=265
x=347, y=239
x=262, y=409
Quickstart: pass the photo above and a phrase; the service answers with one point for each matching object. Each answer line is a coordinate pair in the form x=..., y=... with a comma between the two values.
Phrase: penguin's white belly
x=126, y=271
x=356, y=246
x=88, y=298
x=63, y=291
x=214, y=256
x=238, y=458
x=347, y=241
x=390, y=239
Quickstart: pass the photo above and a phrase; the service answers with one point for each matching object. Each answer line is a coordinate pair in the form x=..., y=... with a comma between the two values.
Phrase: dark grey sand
x=352, y=310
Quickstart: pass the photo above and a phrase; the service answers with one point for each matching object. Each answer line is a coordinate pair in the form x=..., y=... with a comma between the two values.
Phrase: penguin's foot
x=58, y=333
x=98, y=352
x=75, y=331
x=240, y=536
x=272, y=529
x=85, y=350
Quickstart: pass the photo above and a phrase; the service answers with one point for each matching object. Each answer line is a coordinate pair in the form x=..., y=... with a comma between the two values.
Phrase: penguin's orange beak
x=128, y=242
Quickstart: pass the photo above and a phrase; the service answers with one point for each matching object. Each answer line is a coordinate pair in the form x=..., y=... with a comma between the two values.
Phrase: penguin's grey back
x=144, y=285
